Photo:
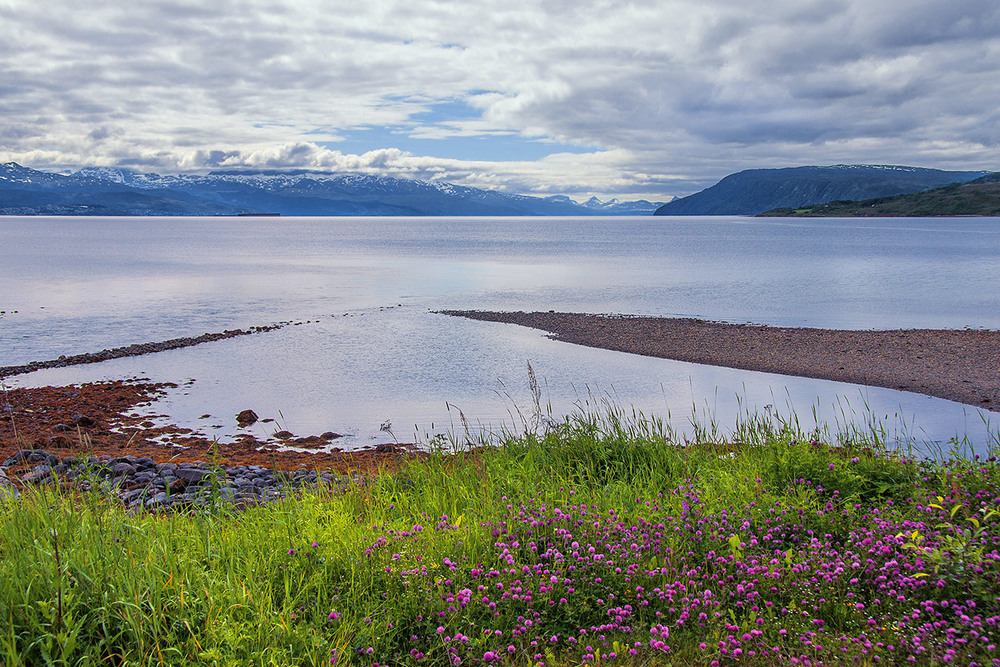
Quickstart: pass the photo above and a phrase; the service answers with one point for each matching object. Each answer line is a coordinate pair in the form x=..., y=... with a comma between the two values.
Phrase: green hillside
x=978, y=197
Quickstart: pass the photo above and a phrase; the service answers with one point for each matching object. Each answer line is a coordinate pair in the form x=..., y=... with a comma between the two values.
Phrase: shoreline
x=960, y=365
x=100, y=419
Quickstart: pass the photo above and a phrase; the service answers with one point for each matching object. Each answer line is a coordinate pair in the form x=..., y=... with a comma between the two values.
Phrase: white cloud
x=674, y=93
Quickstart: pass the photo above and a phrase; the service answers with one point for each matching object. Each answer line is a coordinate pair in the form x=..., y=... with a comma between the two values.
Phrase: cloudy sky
x=627, y=99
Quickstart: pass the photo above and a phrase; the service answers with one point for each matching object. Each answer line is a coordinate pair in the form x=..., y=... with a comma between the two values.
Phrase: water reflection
x=84, y=285
x=418, y=369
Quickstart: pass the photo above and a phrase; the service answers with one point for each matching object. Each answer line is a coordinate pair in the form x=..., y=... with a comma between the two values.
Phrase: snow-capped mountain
x=118, y=191
x=617, y=207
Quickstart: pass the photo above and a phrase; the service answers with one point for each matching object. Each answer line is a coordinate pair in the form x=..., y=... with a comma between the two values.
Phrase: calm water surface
x=374, y=352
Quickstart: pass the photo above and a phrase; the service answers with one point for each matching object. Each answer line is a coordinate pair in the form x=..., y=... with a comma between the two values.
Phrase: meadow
x=603, y=539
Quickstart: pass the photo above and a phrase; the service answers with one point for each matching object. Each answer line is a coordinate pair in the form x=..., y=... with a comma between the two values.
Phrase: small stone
x=31, y=456
x=284, y=435
x=83, y=421
x=330, y=435
x=132, y=495
x=39, y=474
x=59, y=442
x=246, y=417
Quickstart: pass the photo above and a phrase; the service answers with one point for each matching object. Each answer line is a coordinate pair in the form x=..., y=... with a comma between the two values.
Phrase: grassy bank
x=599, y=541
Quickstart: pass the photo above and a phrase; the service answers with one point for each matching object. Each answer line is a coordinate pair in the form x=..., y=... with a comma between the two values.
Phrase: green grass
x=592, y=541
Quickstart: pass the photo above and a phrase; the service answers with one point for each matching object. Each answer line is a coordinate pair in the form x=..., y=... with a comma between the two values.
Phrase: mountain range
x=116, y=191
x=755, y=191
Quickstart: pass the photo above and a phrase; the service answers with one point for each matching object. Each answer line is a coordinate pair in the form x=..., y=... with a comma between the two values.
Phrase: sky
x=642, y=99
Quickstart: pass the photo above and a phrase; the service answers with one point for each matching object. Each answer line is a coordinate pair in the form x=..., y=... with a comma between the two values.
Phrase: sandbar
x=960, y=365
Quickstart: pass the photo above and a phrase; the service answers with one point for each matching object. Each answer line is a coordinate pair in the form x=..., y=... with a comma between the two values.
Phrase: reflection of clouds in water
x=108, y=283
x=104, y=281
x=418, y=369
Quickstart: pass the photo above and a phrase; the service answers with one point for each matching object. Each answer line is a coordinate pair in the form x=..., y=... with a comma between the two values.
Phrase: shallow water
x=374, y=352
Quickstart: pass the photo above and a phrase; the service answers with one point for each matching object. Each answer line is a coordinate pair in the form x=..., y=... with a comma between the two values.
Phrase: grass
x=600, y=539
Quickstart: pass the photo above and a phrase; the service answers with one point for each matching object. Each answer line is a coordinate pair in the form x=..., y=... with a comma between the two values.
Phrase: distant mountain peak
x=616, y=207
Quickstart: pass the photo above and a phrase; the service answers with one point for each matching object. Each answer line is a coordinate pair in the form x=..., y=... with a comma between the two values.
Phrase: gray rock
x=38, y=474
x=123, y=469
x=156, y=500
x=129, y=496
x=31, y=456
x=191, y=475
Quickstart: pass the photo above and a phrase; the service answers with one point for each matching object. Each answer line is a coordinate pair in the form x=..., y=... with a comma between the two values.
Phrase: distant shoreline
x=958, y=365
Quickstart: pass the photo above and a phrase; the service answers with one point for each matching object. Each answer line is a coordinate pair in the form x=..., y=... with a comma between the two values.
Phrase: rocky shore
x=96, y=435
x=958, y=365
x=140, y=483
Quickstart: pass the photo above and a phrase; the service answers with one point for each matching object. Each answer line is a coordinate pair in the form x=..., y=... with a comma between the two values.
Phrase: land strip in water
x=135, y=350
x=960, y=365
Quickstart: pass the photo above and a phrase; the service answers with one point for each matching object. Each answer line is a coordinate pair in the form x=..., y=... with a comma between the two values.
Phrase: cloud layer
x=657, y=98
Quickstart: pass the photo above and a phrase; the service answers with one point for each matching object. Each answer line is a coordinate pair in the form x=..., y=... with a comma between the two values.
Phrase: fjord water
x=371, y=352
